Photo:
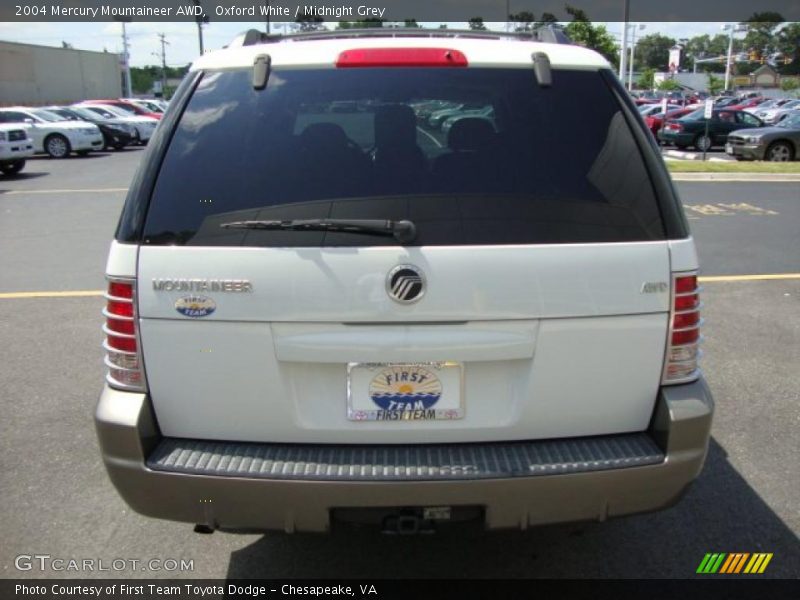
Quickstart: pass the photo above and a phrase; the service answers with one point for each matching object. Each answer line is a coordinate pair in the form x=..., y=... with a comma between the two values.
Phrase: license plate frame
x=365, y=391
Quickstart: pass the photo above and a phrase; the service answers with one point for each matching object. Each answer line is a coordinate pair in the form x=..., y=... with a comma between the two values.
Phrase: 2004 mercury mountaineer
x=351, y=314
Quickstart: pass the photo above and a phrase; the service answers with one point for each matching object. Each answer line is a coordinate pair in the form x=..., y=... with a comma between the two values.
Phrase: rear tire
x=119, y=147
x=12, y=168
x=57, y=146
x=779, y=152
x=703, y=142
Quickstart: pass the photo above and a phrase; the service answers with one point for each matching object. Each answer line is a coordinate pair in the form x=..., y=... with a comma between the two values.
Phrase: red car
x=747, y=103
x=128, y=106
x=654, y=122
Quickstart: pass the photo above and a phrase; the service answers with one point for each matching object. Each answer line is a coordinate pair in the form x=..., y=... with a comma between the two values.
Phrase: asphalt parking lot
x=56, y=221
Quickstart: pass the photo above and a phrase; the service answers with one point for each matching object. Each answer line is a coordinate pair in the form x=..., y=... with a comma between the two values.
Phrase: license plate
x=728, y=148
x=405, y=391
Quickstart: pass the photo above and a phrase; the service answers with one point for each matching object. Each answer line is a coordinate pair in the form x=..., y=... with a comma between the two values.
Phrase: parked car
x=146, y=104
x=486, y=113
x=15, y=147
x=775, y=114
x=143, y=126
x=655, y=121
x=651, y=109
x=746, y=103
x=778, y=143
x=332, y=321
x=767, y=104
x=130, y=107
x=116, y=132
x=725, y=101
x=690, y=130
x=53, y=134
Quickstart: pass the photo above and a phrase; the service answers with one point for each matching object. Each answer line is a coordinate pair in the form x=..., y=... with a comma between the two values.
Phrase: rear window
x=471, y=156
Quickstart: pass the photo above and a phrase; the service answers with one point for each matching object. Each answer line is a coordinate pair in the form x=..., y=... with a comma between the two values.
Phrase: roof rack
x=550, y=34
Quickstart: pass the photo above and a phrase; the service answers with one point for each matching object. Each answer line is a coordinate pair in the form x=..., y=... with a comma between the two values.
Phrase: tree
x=669, y=85
x=366, y=23
x=412, y=23
x=761, y=36
x=647, y=80
x=595, y=37
x=443, y=26
x=789, y=46
x=715, y=84
x=310, y=23
x=789, y=84
x=476, y=23
x=652, y=52
x=523, y=21
x=703, y=46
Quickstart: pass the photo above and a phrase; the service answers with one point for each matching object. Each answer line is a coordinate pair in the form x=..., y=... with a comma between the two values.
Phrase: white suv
x=15, y=148
x=354, y=316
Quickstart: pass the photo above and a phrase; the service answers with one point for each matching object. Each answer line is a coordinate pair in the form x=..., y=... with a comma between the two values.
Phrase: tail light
x=123, y=348
x=674, y=126
x=683, y=351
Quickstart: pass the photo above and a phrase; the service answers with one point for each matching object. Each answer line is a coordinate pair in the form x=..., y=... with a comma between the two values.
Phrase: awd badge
x=195, y=306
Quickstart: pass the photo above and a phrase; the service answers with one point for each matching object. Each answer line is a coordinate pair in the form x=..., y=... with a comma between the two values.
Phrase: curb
x=728, y=177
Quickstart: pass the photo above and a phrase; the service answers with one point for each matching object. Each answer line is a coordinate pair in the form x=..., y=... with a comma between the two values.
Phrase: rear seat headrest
x=469, y=134
x=395, y=124
x=324, y=135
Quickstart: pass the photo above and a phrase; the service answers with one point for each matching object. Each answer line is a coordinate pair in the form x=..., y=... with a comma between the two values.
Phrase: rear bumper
x=129, y=436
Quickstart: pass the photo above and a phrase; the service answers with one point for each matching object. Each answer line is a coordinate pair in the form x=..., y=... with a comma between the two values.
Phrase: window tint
x=472, y=156
x=11, y=116
x=748, y=119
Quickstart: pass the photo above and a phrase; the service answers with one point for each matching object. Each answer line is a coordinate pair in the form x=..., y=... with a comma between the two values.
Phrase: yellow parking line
x=75, y=294
x=763, y=277
x=66, y=191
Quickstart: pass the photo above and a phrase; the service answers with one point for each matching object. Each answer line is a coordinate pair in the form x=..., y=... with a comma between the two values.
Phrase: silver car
x=778, y=143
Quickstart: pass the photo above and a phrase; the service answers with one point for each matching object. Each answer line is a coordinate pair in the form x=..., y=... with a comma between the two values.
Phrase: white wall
x=36, y=75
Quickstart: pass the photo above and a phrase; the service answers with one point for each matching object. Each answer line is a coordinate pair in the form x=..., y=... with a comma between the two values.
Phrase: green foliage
x=142, y=78
x=310, y=23
x=789, y=45
x=652, y=52
x=366, y=23
x=669, y=85
x=523, y=21
x=715, y=84
x=412, y=23
x=789, y=84
x=704, y=46
x=647, y=80
x=761, y=32
x=476, y=23
x=596, y=37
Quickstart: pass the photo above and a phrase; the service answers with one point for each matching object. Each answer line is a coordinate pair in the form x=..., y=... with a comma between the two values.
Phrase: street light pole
x=633, y=49
x=730, y=52
x=624, y=53
x=126, y=57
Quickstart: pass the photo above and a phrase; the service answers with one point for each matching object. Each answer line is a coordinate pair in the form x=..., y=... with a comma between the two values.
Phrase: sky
x=183, y=45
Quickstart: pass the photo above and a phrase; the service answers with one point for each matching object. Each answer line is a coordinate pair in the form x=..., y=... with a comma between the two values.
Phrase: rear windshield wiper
x=403, y=231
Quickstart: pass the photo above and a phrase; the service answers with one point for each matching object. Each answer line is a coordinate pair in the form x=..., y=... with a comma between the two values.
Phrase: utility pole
x=266, y=2
x=164, y=44
x=201, y=20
